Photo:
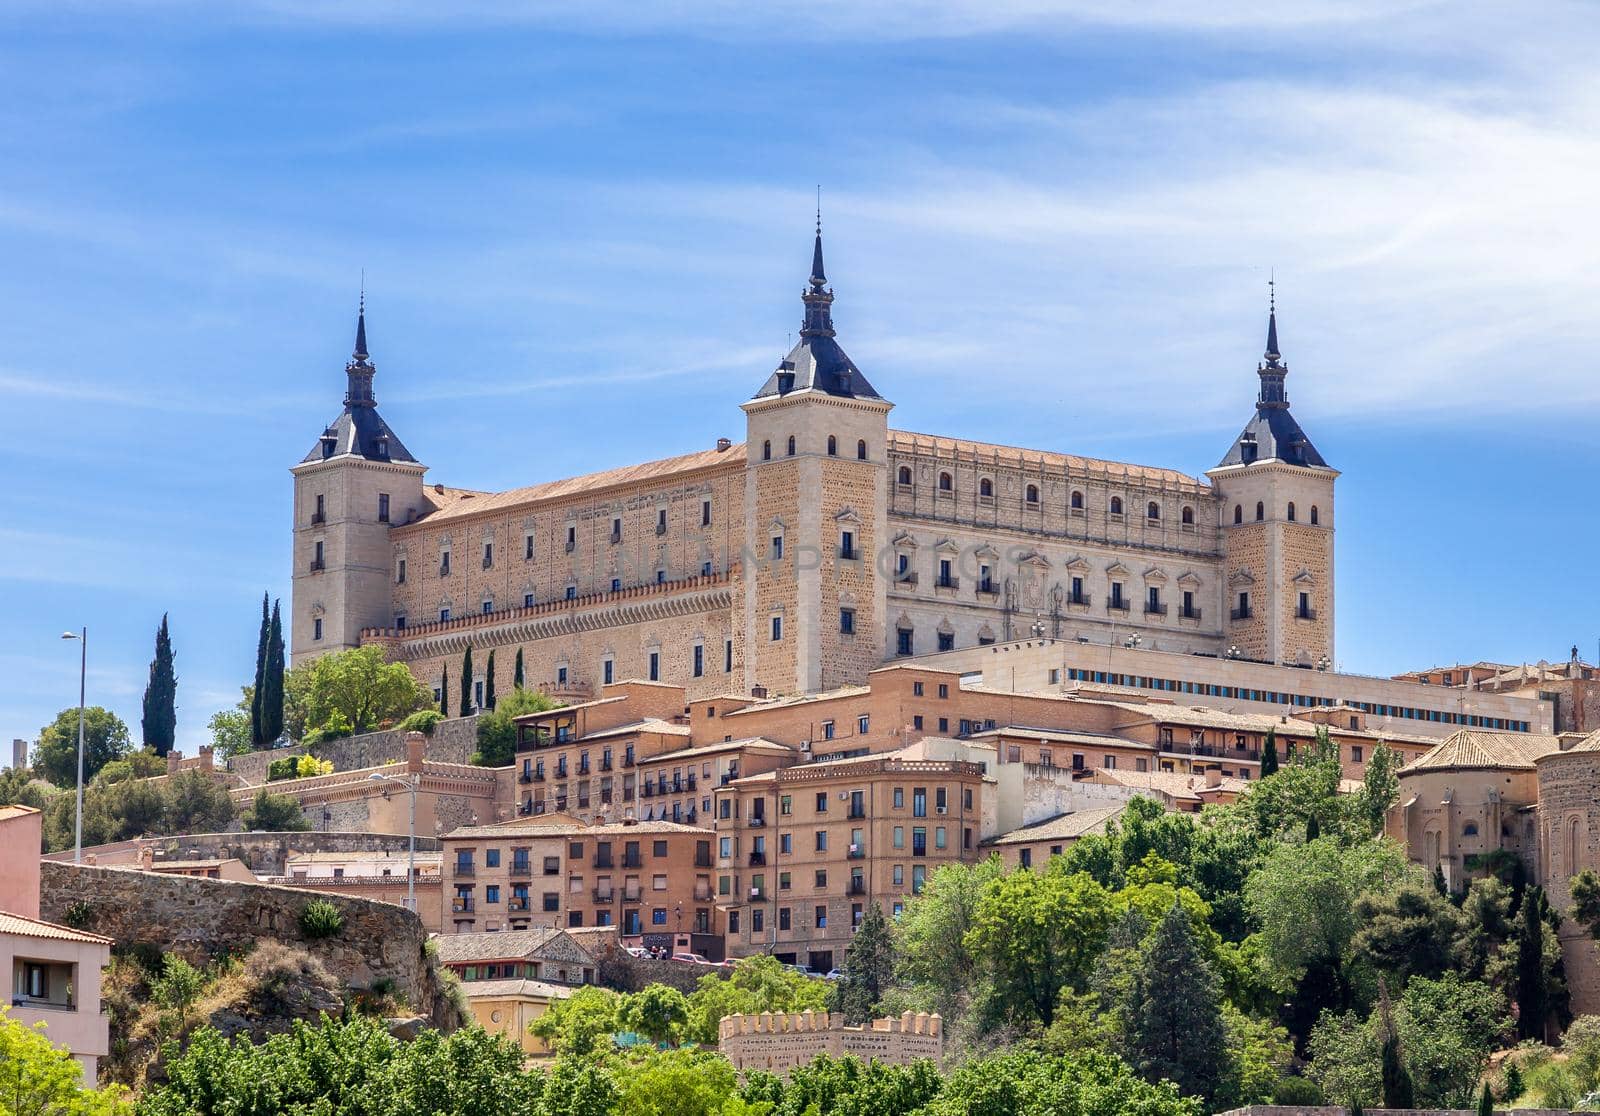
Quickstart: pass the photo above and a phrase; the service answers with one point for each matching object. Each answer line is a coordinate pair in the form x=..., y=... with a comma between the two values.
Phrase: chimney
x=147, y=854
x=172, y=761
x=1213, y=776
x=416, y=750
x=724, y=444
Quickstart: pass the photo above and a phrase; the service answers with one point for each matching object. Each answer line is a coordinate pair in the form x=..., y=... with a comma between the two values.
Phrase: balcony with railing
x=602, y=860
x=632, y=860
x=702, y=892
x=758, y=894
x=856, y=887
x=605, y=763
x=517, y=903
x=1154, y=608
x=758, y=858
x=463, y=904
x=522, y=868
x=857, y=852
x=603, y=895
x=1117, y=605
x=1243, y=613
x=463, y=869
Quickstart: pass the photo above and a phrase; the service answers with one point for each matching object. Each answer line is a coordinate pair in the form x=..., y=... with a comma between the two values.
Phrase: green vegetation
x=39, y=1078
x=354, y=691
x=274, y=813
x=298, y=767
x=267, y=695
x=466, y=683
x=423, y=721
x=321, y=919
x=105, y=738
x=122, y=802
x=160, y=720
x=497, y=730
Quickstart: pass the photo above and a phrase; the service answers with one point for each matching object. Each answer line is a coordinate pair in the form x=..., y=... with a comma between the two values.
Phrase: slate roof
x=817, y=363
x=1272, y=434
x=1063, y=827
x=359, y=430
x=1474, y=748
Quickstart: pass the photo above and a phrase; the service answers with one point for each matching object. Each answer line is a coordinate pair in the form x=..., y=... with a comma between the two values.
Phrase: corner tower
x=356, y=481
x=1275, y=497
x=816, y=512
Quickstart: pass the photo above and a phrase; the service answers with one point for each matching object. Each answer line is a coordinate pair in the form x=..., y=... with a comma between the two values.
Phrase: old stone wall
x=453, y=741
x=265, y=854
x=203, y=919
x=777, y=1042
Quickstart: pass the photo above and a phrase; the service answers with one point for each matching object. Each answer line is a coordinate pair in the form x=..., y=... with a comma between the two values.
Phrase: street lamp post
x=411, y=852
x=83, y=672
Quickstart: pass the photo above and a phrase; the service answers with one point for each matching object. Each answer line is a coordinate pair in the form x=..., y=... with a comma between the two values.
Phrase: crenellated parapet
x=778, y=1041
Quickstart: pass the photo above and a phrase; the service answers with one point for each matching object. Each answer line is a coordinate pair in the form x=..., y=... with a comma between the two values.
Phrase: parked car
x=833, y=974
x=690, y=958
x=637, y=951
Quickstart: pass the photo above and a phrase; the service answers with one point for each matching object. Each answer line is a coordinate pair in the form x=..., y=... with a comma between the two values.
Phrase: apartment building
x=677, y=786
x=802, y=851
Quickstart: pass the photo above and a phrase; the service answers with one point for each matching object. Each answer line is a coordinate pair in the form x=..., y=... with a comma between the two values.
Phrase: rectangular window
x=491, y=858
x=786, y=843
x=847, y=621
x=783, y=918
x=862, y=723
x=383, y=507
x=699, y=660
x=705, y=513
x=919, y=802
x=608, y=671
x=758, y=920
x=821, y=877
x=400, y=572
x=847, y=545
x=777, y=547
x=527, y=547
x=821, y=915
x=899, y=798
x=777, y=628
x=916, y=689
x=822, y=840
x=899, y=836
x=902, y=641
x=727, y=657
x=827, y=730
x=527, y=600
x=786, y=805
x=655, y=666
x=822, y=802
x=316, y=625
x=491, y=894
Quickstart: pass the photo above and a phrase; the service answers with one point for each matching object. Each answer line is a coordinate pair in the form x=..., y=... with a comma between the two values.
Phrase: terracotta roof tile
x=1063, y=827
x=1474, y=748
x=34, y=928
x=903, y=441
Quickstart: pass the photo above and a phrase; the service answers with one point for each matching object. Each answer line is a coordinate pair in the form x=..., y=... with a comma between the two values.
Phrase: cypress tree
x=256, y=738
x=466, y=683
x=488, y=683
x=868, y=969
x=1398, y=1091
x=160, y=721
x=516, y=674
x=1172, y=1014
x=444, y=691
x=1438, y=881
x=1531, y=1005
x=1269, y=754
x=1486, y=1101
x=1313, y=830
x=272, y=699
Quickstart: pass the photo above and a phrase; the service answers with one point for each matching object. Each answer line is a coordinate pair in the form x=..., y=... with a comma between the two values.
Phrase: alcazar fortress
x=822, y=546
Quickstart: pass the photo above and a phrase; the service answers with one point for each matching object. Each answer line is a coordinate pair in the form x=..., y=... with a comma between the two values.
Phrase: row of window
x=1030, y=497
x=833, y=448
x=319, y=513
x=1290, y=513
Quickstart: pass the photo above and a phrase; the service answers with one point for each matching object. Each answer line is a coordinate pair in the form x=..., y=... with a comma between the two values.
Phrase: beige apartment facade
x=802, y=557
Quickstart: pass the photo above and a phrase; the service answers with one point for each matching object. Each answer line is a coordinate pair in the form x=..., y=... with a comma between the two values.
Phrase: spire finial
x=1272, y=354
x=819, y=277
x=361, y=320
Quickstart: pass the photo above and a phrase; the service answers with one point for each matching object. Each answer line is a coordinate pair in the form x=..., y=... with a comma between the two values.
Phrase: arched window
x=791, y=445
x=1116, y=505
x=861, y=450
x=1573, y=846
x=1290, y=510
x=945, y=483
x=1033, y=494
x=1153, y=511
x=986, y=488
x=766, y=450
x=1188, y=517
x=1261, y=509
x=905, y=474
x=833, y=446
x=1470, y=829
x=1313, y=515
x=1238, y=514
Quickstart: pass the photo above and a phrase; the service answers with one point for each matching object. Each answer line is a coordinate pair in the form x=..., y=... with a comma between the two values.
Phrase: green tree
x=657, y=1012
x=582, y=1023
x=1345, y=1059
x=274, y=813
x=444, y=691
x=358, y=689
x=1447, y=1029
x=197, y=803
x=1398, y=1091
x=1022, y=1083
x=1533, y=1007
x=1172, y=1018
x=1380, y=786
x=1269, y=753
x=466, y=683
x=38, y=1078
x=868, y=968
x=105, y=738
x=273, y=684
x=258, y=688
x=930, y=934
x=1584, y=888
x=757, y=984
x=1037, y=934
x=1410, y=932
x=19, y=788
x=160, y=720
x=230, y=732
x=497, y=731
x=517, y=677
x=1486, y=1101
x=175, y=991
x=677, y=1083
x=488, y=682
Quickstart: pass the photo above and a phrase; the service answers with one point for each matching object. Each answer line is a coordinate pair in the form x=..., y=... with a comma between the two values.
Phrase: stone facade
x=776, y=1043
x=204, y=919
x=802, y=558
x=453, y=741
x=265, y=854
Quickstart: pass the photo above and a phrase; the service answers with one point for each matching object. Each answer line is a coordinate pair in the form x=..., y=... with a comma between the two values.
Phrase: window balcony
x=633, y=860
x=758, y=894
x=464, y=869
x=1305, y=614
x=317, y=565
x=756, y=821
x=702, y=860
x=988, y=589
x=521, y=868
x=605, y=763
x=538, y=774
x=318, y=519
x=906, y=577
x=1153, y=609
x=702, y=893
x=647, y=790
x=857, y=813
x=517, y=903
x=615, y=538
x=463, y=905
x=947, y=585
x=525, y=777
x=602, y=860
x=757, y=858
x=1115, y=605
x=1079, y=600
x=857, y=852
x=630, y=893
x=1189, y=614
x=603, y=895
x=627, y=760
x=1240, y=613
x=856, y=887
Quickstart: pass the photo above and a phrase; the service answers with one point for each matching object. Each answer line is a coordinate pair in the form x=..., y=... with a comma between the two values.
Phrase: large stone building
x=802, y=558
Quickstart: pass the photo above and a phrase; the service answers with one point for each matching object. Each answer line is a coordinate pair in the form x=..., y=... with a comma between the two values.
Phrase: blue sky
x=584, y=228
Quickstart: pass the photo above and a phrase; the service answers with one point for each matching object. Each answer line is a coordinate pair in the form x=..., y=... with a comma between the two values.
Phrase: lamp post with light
x=83, y=672
x=411, y=852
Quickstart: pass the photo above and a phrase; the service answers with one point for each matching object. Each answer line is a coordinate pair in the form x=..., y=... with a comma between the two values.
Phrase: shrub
x=423, y=721
x=286, y=767
x=321, y=919
x=310, y=766
x=1297, y=1091
x=79, y=915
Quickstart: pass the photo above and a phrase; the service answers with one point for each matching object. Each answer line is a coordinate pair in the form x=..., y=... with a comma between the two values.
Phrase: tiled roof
x=799, y=699
x=534, y=989
x=468, y=504
x=750, y=743
x=361, y=857
x=906, y=442
x=1063, y=827
x=1474, y=748
x=34, y=928
x=499, y=945
x=1175, y=784
x=649, y=724
x=16, y=811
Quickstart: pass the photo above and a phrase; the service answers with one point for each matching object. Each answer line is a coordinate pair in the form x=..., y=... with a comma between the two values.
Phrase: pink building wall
x=21, y=829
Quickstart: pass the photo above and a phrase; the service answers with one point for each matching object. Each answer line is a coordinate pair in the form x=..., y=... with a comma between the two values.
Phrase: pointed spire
x=359, y=369
x=1273, y=371
x=819, y=277
x=1272, y=354
x=817, y=298
x=361, y=326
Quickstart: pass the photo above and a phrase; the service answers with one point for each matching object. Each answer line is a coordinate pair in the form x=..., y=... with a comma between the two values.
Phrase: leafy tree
x=258, y=737
x=1398, y=1091
x=18, y=787
x=1584, y=888
x=757, y=984
x=470, y=1073
x=679, y=1082
x=657, y=1013
x=1410, y=932
x=423, y=721
x=175, y=992
x=516, y=673
x=930, y=934
x=868, y=968
x=1346, y=1059
x=1258, y=1055
x=466, y=683
x=1172, y=1018
x=1380, y=786
x=1269, y=753
x=105, y=738
x=38, y=1078
x=488, y=682
x=497, y=731
x=1532, y=1004
x=273, y=683
x=1021, y=1083
x=357, y=688
x=197, y=803
x=444, y=691
x=230, y=732
x=1486, y=1101
x=1282, y=804
x=274, y=813
x=582, y=1023
x=1037, y=933
x=160, y=720
x=845, y=1085
x=1447, y=1029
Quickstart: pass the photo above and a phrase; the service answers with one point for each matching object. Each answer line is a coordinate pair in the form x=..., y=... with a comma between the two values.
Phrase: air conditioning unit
x=844, y=796
x=942, y=809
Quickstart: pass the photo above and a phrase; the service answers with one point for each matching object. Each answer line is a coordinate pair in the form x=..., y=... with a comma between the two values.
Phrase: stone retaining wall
x=202, y=919
x=453, y=741
x=265, y=854
x=778, y=1041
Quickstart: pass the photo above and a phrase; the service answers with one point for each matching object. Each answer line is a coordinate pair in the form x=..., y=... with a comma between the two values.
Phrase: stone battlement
x=778, y=1041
